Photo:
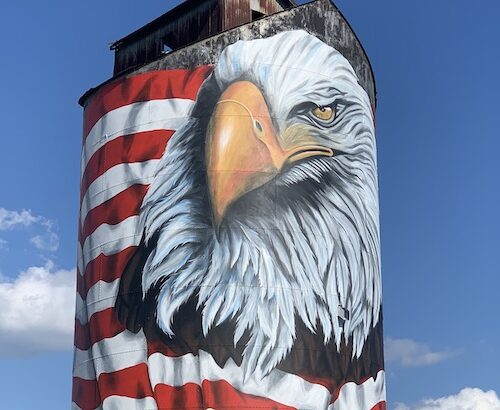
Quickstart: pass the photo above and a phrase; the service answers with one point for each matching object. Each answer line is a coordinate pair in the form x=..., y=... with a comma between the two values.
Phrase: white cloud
x=467, y=399
x=48, y=240
x=11, y=219
x=408, y=353
x=37, y=311
x=3, y=243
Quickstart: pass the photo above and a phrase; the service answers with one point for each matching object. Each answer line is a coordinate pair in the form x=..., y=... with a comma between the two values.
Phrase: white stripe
x=279, y=386
x=150, y=115
x=100, y=297
x=127, y=403
x=115, y=180
x=110, y=355
x=112, y=248
x=75, y=406
x=110, y=239
x=361, y=396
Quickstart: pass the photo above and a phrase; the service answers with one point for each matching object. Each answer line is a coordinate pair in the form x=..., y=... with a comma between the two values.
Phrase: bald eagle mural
x=259, y=253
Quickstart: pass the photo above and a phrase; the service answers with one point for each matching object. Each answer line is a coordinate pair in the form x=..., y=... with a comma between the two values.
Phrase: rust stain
x=187, y=23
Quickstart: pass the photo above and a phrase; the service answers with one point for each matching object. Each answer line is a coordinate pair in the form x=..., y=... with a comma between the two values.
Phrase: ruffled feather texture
x=303, y=247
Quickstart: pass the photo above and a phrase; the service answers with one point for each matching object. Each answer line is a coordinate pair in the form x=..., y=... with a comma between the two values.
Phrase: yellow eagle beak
x=243, y=151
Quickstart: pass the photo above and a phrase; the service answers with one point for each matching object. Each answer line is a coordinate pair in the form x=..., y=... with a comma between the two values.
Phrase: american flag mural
x=135, y=128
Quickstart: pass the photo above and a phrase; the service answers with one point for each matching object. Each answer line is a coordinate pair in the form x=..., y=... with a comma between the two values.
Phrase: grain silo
x=229, y=231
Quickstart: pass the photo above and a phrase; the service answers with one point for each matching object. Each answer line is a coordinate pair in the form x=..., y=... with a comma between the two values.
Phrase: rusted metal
x=191, y=21
x=337, y=32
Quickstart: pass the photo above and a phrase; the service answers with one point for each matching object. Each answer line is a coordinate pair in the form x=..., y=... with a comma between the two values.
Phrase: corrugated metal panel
x=235, y=13
x=188, y=23
x=269, y=7
x=186, y=26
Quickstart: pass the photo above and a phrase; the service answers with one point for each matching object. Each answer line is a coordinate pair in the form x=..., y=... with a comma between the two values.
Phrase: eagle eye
x=324, y=113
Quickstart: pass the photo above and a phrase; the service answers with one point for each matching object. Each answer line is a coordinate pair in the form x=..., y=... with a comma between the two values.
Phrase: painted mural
x=229, y=238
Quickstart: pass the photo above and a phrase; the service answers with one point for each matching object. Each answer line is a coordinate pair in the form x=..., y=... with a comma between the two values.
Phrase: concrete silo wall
x=229, y=239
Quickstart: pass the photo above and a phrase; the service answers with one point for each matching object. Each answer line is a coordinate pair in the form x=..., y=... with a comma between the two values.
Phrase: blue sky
x=436, y=65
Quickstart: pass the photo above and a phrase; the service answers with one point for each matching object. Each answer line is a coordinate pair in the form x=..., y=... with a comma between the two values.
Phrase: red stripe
x=219, y=394
x=131, y=382
x=102, y=325
x=129, y=148
x=188, y=396
x=156, y=345
x=105, y=268
x=380, y=406
x=85, y=394
x=154, y=85
x=82, y=336
x=215, y=394
x=115, y=210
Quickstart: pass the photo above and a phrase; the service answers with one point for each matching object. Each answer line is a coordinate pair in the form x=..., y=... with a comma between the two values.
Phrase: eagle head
x=264, y=207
